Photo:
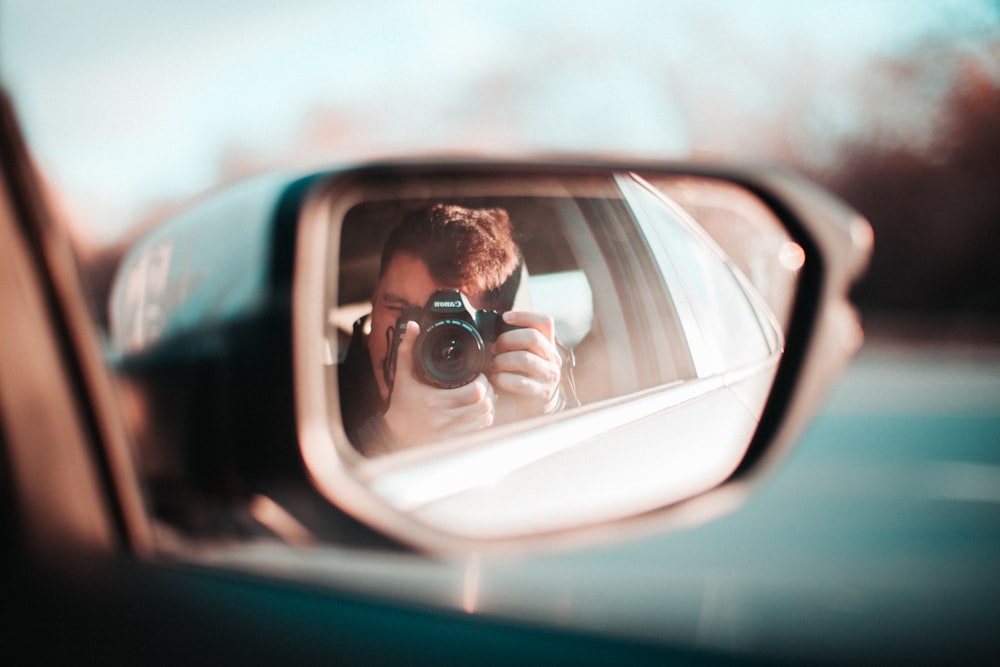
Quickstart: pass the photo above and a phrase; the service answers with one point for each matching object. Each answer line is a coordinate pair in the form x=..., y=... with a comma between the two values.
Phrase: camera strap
x=389, y=363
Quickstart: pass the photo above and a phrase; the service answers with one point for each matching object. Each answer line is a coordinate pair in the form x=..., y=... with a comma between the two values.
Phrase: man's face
x=406, y=283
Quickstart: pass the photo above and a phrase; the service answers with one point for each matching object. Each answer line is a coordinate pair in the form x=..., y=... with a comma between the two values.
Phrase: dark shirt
x=361, y=406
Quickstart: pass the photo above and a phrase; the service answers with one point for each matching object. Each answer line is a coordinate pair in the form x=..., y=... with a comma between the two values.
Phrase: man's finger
x=404, y=354
x=541, y=322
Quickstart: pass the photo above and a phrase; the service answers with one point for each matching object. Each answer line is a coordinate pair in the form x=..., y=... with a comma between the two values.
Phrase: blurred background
x=134, y=107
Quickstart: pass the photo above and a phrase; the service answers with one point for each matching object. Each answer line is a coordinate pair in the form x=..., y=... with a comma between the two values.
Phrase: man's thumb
x=404, y=355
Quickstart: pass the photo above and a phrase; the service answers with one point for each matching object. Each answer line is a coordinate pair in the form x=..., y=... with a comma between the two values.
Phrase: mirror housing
x=222, y=329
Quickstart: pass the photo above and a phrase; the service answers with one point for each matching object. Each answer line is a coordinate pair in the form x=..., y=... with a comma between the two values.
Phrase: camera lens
x=451, y=353
x=448, y=355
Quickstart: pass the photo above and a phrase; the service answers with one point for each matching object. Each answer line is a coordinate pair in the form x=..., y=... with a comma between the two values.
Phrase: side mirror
x=699, y=313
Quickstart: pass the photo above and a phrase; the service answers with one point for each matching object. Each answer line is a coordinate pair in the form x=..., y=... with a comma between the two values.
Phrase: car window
x=726, y=326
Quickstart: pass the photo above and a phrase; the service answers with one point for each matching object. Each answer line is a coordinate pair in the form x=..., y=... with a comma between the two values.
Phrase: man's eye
x=393, y=309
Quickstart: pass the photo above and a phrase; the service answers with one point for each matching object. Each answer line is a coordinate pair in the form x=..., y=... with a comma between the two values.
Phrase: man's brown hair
x=472, y=248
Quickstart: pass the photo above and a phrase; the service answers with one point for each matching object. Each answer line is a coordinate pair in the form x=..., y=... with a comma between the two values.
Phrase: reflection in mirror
x=515, y=356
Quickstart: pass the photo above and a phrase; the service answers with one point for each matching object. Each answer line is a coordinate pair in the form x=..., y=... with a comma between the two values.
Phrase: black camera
x=453, y=347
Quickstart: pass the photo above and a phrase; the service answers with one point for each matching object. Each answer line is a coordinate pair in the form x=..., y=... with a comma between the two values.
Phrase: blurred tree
x=934, y=202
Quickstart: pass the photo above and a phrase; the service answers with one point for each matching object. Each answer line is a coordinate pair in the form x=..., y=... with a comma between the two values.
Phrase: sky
x=130, y=106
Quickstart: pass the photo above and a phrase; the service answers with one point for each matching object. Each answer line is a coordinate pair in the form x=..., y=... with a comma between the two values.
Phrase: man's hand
x=527, y=364
x=420, y=413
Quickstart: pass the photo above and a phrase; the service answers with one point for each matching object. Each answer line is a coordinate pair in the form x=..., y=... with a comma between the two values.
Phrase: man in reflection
x=446, y=247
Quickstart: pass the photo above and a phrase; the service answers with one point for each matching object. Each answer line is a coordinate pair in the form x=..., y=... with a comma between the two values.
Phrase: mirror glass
x=649, y=312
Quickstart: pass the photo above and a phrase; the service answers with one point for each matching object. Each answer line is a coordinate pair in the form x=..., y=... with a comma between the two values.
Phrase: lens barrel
x=450, y=353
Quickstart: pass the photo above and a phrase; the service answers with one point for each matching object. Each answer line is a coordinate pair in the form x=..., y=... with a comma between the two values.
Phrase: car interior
x=579, y=299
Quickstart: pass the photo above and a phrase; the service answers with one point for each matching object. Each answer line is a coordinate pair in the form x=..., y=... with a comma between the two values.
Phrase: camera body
x=453, y=347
